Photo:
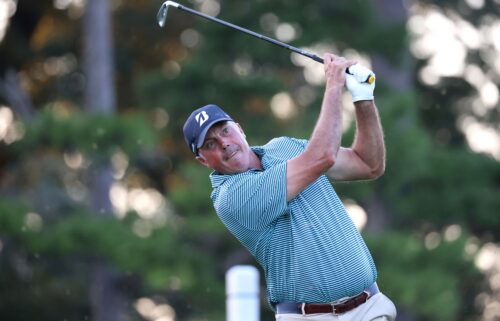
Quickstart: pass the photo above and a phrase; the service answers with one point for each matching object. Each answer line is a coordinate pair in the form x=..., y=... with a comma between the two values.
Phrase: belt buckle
x=303, y=308
x=337, y=302
x=334, y=312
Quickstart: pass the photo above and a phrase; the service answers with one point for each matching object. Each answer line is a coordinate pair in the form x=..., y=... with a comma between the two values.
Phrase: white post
x=242, y=293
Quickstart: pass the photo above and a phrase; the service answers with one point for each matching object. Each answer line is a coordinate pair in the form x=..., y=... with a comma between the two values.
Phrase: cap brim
x=201, y=137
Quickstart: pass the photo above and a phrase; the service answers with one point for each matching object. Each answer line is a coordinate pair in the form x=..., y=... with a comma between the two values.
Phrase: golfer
x=277, y=201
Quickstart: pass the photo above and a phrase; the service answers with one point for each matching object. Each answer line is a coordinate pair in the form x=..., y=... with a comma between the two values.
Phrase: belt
x=334, y=307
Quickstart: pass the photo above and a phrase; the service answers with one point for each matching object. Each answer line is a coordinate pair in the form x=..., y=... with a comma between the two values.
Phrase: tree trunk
x=107, y=301
x=100, y=94
x=15, y=95
x=398, y=77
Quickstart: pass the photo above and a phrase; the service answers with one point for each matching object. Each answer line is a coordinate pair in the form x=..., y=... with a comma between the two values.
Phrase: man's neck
x=255, y=162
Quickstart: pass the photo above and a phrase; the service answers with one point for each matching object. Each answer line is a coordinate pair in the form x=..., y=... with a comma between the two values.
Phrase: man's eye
x=225, y=130
x=209, y=145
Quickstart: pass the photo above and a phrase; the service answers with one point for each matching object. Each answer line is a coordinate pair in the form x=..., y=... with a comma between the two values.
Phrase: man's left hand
x=357, y=84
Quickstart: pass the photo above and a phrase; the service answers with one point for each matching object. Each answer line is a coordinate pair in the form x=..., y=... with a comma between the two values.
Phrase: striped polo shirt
x=309, y=248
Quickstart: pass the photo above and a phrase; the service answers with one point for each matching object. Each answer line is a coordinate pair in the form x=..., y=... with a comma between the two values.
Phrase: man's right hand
x=335, y=69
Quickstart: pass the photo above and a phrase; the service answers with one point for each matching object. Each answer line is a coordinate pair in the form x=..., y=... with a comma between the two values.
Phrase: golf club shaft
x=162, y=15
x=257, y=35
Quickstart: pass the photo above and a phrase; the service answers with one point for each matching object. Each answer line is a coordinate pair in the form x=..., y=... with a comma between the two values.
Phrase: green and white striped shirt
x=309, y=248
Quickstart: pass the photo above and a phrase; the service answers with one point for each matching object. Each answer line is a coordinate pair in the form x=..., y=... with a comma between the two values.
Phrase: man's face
x=225, y=149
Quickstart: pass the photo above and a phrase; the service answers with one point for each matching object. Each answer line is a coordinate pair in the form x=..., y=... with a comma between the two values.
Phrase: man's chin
x=236, y=168
x=230, y=171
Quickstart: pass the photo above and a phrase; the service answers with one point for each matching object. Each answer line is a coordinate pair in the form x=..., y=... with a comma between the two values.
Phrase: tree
x=106, y=296
x=438, y=197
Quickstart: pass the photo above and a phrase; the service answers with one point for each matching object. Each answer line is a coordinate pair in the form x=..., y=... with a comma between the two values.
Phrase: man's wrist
x=333, y=86
x=364, y=103
x=334, y=90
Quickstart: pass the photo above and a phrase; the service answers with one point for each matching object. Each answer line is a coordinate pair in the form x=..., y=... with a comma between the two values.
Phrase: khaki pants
x=377, y=308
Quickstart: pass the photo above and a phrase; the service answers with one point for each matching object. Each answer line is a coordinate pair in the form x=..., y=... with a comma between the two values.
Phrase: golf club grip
x=370, y=79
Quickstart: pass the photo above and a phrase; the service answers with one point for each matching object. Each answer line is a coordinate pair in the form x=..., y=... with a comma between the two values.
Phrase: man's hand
x=335, y=68
x=357, y=85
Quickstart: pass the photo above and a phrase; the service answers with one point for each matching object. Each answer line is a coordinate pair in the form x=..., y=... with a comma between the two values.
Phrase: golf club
x=162, y=16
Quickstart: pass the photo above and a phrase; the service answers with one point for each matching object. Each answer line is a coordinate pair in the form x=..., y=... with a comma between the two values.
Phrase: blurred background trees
x=432, y=221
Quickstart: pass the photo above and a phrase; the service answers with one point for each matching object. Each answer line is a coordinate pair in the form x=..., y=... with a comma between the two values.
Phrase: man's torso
x=309, y=248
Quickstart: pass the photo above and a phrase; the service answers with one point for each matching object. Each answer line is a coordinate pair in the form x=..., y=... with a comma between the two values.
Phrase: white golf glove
x=358, y=83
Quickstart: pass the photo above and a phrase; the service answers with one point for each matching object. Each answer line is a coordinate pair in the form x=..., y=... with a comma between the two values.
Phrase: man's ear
x=202, y=160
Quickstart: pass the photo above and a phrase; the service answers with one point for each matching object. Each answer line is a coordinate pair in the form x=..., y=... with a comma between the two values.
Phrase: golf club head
x=161, y=16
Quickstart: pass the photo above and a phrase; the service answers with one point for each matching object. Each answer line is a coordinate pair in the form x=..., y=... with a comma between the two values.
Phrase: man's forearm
x=321, y=151
x=369, y=138
x=327, y=133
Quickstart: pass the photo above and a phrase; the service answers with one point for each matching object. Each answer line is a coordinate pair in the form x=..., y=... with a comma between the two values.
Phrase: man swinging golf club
x=277, y=201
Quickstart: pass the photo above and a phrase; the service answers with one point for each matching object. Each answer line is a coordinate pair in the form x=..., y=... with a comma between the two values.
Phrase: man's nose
x=224, y=143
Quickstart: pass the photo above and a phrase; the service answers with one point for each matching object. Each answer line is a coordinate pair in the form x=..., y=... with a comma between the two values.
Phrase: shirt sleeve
x=302, y=142
x=254, y=199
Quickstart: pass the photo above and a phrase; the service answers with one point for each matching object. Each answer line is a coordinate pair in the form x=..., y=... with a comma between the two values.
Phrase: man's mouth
x=231, y=154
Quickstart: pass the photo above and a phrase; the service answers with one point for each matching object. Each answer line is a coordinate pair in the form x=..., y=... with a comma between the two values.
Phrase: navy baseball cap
x=199, y=122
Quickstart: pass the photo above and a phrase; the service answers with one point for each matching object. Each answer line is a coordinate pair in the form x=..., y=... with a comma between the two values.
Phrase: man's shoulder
x=284, y=142
x=279, y=148
x=272, y=153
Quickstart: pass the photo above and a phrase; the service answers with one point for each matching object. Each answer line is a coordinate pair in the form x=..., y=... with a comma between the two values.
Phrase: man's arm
x=366, y=157
x=321, y=152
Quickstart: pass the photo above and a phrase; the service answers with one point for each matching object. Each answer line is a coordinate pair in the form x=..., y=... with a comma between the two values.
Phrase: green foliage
x=428, y=184
x=91, y=236
x=95, y=135
x=435, y=282
x=12, y=216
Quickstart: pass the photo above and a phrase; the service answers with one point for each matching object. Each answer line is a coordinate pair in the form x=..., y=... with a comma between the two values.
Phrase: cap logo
x=201, y=117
